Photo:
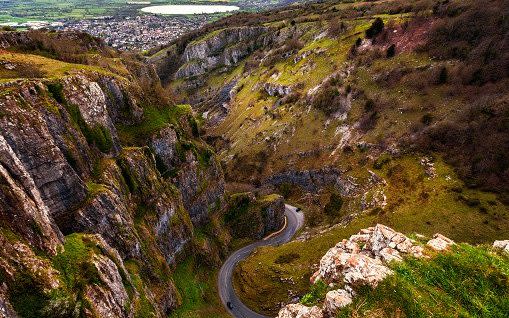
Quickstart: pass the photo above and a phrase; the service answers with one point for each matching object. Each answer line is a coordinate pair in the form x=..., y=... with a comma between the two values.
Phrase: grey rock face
x=21, y=203
x=169, y=220
x=314, y=180
x=27, y=134
x=222, y=48
x=120, y=101
x=202, y=185
x=110, y=299
x=258, y=217
x=108, y=215
x=273, y=213
x=199, y=198
x=92, y=103
x=33, y=164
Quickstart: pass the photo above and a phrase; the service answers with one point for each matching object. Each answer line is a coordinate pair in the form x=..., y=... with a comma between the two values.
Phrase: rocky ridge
x=222, y=48
x=360, y=260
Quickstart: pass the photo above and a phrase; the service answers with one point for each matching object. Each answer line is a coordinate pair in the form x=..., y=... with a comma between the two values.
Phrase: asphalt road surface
x=294, y=220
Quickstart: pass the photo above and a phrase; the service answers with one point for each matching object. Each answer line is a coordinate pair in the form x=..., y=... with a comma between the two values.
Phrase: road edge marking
x=276, y=233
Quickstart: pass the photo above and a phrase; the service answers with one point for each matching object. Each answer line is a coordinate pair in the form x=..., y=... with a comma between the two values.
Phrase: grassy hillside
x=414, y=92
x=467, y=282
x=425, y=206
x=345, y=91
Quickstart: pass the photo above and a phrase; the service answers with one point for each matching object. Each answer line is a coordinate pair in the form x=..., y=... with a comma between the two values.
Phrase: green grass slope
x=465, y=282
x=431, y=83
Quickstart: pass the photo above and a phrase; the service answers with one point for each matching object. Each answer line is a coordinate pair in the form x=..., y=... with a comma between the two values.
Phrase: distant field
x=51, y=10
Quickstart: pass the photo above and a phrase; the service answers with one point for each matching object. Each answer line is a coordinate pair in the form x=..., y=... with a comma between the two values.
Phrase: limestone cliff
x=224, y=47
x=80, y=153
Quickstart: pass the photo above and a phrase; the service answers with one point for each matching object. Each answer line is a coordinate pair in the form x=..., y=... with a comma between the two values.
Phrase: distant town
x=141, y=32
x=122, y=27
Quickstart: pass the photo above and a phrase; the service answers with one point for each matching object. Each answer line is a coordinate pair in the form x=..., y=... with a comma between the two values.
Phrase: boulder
x=346, y=264
x=384, y=237
x=503, y=245
x=277, y=89
x=335, y=300
x=440, y=242
x=300, y=311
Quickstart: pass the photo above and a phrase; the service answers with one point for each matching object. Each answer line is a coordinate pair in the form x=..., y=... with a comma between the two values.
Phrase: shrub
x=285, y=189
x=427, y=119
x=381, y=161
x=368, y=121
x=333, y=207
x=286, y=258
x=442, y=76
x=316, y=294
x=329, y=100
x=56, y=91
x=336, y=27
x=376, y=27
x=100, y=136
x=391, y=51
x=369, y=105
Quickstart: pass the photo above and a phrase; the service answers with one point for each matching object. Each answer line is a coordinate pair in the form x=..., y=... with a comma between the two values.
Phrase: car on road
x=229, y=305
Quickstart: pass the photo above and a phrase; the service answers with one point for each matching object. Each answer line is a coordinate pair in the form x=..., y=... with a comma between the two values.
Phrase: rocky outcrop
x=162, y=209
x=197, y=174
x=361, y=260
x=273, y=208
x=107, y=214
x=300, y=311
x=224, y=47
x=91, y=101
x=314, y=180
x=109, y=299
x=276, y=89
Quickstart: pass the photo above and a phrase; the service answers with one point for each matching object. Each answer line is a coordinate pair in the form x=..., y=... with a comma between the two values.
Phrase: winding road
x=294, y=220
